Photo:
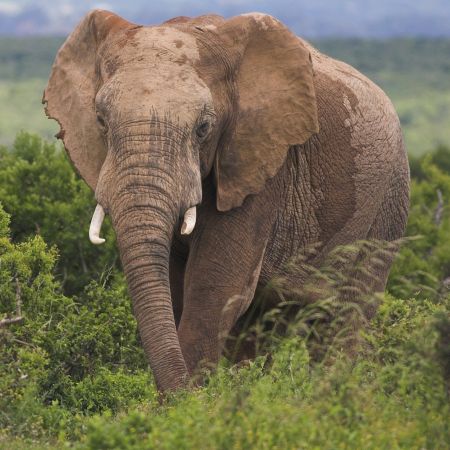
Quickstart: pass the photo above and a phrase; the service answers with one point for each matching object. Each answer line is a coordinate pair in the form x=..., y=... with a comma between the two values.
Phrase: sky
x=310, y=18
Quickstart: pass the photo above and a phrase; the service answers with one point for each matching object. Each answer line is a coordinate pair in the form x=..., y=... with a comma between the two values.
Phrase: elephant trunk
x=144, y=239
x=147, y=204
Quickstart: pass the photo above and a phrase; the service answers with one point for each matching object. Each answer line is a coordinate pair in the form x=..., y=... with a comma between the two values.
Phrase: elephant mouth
x=189, y=220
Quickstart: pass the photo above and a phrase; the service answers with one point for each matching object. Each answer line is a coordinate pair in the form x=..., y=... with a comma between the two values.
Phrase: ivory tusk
x=96, y=225
x=190, y=217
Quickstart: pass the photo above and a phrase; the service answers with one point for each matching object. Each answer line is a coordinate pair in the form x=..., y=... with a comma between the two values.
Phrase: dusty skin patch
x=182, y=60
x=264, y=20
x=175, y=44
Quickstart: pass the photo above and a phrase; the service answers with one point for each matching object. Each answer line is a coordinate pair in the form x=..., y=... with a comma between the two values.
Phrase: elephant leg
x=220, y=280
x=366, y=274
x=390, y=224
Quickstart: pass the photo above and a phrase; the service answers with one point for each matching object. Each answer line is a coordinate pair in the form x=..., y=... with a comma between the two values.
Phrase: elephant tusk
x=190, y=217
x=96, y=225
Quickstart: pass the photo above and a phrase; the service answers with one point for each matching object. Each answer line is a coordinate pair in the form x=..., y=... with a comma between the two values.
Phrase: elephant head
x=147, y=113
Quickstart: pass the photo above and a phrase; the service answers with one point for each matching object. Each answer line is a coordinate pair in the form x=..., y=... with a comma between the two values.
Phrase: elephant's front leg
x=220, y=281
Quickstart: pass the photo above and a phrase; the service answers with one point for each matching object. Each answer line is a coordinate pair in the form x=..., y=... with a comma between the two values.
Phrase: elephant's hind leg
x=366, y=277
x=389, y=225
x=355, y=278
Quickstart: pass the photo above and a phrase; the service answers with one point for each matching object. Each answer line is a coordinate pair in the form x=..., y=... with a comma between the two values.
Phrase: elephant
x=220, y=149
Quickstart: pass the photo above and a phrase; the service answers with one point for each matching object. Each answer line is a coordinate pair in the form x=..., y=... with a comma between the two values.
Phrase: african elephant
x=220, y=149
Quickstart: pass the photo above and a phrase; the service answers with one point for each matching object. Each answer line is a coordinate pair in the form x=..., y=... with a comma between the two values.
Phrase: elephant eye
x=101, y=122
x=202, y=130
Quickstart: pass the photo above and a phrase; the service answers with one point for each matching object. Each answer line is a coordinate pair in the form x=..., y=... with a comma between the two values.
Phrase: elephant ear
x=276, y=105
x=70, y=93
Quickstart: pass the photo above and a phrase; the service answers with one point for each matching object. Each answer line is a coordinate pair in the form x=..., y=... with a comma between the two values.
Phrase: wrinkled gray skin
x=160, y=119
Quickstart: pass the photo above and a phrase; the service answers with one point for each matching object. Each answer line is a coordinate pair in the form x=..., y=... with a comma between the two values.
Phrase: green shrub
x=109, y=390
x=25, y=279
x=41, y=191
x=97, y=332
x=440, y=157
x=423, y=266
x=53, y=361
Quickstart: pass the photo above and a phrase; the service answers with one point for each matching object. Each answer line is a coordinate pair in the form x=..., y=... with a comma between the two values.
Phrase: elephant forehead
x=149, y=45
x=165, y=87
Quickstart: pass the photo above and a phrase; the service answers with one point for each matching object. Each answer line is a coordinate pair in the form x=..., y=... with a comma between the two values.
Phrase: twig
x=83, y=262
x=439, y=208
x=6, y=322
x=18, y=298
x=19, y=318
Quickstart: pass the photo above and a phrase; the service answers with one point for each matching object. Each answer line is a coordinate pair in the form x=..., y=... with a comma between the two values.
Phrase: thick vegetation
x=413, y=72
x=44, y=196
x=72, y=370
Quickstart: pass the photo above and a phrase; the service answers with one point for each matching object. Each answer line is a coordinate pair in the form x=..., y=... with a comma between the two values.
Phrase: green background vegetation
x=72, y=372
x=415, y=73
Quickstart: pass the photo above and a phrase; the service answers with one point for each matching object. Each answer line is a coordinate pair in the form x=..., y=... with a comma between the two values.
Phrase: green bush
x=440, y=158
x=53, y=361
x=423, y=266
x=44, y=196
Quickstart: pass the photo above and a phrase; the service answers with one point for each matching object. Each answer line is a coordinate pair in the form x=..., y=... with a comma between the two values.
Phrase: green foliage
x=442, y=347
x=53, y=362
x=43, y=195
x=97, y=332
x=440, y=157
x=4, y=223
x=423, y=267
